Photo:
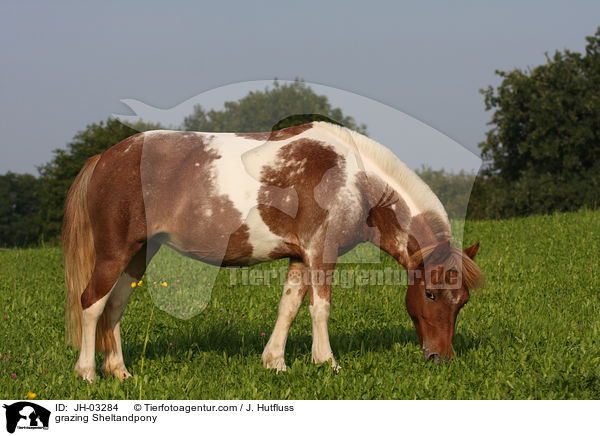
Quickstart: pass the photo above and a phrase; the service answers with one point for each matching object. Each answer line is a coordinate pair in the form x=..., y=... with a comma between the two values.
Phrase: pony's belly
x=250, y=244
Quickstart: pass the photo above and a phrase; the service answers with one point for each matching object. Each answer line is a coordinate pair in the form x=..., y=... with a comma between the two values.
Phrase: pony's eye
x=429, y=294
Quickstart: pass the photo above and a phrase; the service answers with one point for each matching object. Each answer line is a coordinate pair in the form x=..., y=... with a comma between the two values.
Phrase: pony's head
x=441, y=277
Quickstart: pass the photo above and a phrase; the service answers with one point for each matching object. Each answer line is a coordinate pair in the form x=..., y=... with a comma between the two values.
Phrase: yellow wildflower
x=133, y=284
x=31, y=395
x=140, y=283
x=164, y=284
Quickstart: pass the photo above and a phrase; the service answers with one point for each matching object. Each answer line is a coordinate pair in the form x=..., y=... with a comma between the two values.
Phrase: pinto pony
x=308, y=193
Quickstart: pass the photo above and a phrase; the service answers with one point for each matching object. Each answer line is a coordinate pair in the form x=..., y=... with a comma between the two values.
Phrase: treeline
x=541, y=154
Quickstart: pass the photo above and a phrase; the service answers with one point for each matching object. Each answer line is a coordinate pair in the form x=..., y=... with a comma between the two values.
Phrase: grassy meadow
x=533, y=331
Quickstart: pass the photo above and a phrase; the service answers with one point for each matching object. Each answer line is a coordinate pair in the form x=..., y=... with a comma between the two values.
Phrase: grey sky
x=67, y=64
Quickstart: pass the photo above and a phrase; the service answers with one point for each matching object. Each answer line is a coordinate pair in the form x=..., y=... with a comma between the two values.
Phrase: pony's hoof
x=119, y=371
x=334, y=365
x=87, y=373
x=277, y=364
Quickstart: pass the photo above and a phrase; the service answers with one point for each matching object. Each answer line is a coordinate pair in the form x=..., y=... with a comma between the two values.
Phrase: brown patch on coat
x=238, y=250
x=277, y=135
x=315, y=172
x=301, y=166
x=182, y=200
x=388, y=214
x=287, y=249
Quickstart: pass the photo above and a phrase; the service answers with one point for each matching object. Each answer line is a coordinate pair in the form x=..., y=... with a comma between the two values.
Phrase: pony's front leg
x=294, y=291
x=319, y=307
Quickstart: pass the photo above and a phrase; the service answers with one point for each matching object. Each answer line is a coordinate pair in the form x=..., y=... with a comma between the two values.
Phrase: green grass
x=532, y=332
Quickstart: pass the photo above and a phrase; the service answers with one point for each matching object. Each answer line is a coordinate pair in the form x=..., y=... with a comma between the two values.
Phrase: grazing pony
x=308, y=193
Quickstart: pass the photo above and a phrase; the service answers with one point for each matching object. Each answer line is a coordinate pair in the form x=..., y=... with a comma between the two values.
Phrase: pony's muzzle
x=431, y=356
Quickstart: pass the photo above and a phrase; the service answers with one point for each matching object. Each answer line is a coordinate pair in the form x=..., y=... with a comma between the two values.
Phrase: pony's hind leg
x=113, y=361
x=93, y=301
x=294, y=291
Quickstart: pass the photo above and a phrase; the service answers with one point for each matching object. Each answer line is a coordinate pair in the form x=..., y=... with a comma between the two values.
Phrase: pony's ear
x=472, y=251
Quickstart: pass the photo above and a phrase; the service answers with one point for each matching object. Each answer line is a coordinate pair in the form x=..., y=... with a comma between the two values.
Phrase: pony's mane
x=453, y=258
x=391, y=168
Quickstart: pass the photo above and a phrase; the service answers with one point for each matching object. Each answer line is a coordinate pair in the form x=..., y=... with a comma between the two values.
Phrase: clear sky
x=66, y=64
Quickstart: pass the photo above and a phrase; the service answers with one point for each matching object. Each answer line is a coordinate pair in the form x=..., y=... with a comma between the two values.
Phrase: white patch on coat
x=230, y=176
x=262, y=240
x=232, y=179
x=453, y=297
x=259, y=156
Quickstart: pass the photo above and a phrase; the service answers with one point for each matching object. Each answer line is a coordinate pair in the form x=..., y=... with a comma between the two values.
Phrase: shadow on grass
x=235, y=341
x=463, y=343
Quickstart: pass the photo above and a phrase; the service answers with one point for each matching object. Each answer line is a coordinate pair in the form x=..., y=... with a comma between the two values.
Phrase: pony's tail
x=78, y=247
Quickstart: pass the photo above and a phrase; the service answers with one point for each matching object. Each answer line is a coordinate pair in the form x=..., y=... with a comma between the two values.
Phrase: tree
x=19, y=206
x=543, y=153
x=275, y=108
x=57, y=175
